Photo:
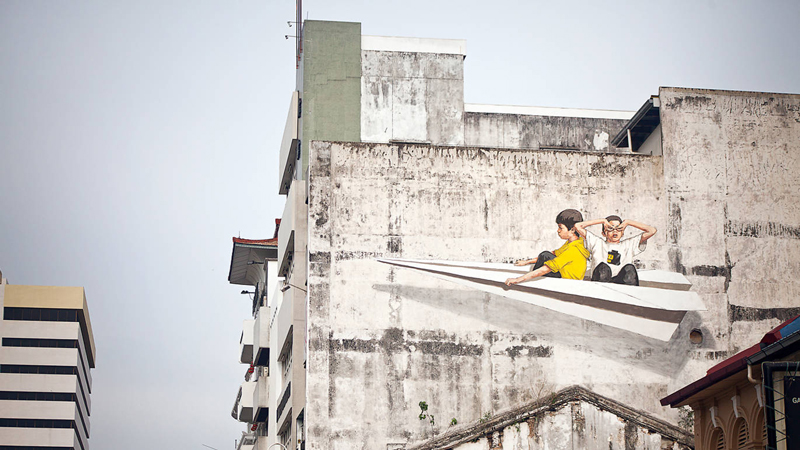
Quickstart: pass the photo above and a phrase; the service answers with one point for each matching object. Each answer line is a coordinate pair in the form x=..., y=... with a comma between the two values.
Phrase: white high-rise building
x=46, y=359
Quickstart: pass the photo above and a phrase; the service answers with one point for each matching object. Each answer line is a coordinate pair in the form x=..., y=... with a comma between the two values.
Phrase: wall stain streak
x=602, y=168
x=346, y=256
x=716, y=271
x=750, y=314
x=539, y=351
x=393, y=342
x=320, y=257
x=761, y=229
x=631, y=436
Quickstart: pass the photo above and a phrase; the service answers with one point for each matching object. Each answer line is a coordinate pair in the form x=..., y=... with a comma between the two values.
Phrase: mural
x=655, y=308
x=648, y=302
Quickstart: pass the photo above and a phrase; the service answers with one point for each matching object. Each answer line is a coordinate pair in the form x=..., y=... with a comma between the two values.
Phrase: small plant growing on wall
x=686, y=418
x=427, y=416
x=424, y=415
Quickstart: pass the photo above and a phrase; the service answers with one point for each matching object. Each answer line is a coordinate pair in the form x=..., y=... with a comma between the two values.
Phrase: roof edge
x=548, y=111
x=414, y=45
x=637, y=116
x=459, y=435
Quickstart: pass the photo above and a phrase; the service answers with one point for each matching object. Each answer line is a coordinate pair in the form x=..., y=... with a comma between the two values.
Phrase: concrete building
x=381, y=158
x=272, y=343
x=46, y=359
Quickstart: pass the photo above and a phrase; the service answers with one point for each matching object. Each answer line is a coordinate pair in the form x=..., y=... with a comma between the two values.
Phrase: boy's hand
x=623, y=225
x=511, y=281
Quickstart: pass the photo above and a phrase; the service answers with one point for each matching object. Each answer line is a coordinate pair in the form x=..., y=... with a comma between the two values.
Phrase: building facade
x=46, y=359
x=749, y=401
x=382, y=159
x=270, y=399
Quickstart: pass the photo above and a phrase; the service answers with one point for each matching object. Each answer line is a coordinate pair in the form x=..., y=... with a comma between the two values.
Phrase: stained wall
x=731, y=174
x=381, y=339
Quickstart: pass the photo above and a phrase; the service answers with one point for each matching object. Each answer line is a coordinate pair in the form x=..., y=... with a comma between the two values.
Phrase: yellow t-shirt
x=570, y=260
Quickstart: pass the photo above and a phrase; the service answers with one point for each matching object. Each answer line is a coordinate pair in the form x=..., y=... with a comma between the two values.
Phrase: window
x=41, y=314
x=742, y=433
x=718, y=441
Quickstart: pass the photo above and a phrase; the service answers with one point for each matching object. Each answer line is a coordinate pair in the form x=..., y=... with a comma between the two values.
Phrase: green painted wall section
x=331, y=95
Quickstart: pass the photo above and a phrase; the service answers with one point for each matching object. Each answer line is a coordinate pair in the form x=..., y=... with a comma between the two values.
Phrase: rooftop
x=54, y=297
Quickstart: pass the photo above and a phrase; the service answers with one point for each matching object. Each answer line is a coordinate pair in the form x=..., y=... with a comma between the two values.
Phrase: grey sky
x=136, y=138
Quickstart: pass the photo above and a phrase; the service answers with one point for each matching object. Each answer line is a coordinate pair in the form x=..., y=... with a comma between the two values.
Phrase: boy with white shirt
x=612, y=257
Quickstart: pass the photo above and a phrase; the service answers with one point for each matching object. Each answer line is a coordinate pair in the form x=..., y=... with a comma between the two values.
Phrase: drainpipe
x=750, y=375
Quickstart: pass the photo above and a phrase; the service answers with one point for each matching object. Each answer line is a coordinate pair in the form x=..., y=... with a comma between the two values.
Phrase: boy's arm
x=525, y=262
x=580, y=227
x=649, y=230
x=529, y=276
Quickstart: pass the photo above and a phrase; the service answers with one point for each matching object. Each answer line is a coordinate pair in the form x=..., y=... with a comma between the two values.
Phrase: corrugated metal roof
x=646, y=119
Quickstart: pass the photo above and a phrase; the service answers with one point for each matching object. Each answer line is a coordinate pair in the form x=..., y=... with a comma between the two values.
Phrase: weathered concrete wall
x=534, y=132
x=419, y=97
x=732, y=175
x=416, y=97
x=577, y=425
x=382, y=339
x=331, y=74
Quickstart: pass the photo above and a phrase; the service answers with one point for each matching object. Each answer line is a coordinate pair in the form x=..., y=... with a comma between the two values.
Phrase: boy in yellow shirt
x=569, y=261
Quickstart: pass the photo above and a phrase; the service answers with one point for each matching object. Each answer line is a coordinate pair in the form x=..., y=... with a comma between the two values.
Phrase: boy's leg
x=627, y=275
x=602, y=273
x=541, y=259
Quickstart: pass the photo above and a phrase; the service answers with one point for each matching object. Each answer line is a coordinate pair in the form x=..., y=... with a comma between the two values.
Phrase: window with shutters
x=742, y=433
x=718, y=440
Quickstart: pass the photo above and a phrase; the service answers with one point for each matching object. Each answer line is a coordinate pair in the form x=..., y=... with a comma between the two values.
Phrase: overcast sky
x=136, y=138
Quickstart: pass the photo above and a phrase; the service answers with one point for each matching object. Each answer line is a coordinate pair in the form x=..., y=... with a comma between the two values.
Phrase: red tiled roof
x=730, y=366
x=273, y=241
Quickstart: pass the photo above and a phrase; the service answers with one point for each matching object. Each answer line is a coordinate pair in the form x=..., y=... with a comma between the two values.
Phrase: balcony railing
x=261, y=332
x=243, y=408
x=261, y=400
x=284, y=323
x=289, y=147
x=246, y=342
x=247, y=442
x=287, y=395
x=292, y=224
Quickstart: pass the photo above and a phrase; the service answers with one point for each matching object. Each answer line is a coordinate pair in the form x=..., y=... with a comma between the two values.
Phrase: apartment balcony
x=243, y=406
x=261, y=332
x=284, y=322
x=284, y=411
x=246, y=342
x=247, y=442
x=289, y=147
x=291, y=234
x=261, y=400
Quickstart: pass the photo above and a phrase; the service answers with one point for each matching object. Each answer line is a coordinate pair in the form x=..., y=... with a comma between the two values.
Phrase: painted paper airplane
x=654, y=308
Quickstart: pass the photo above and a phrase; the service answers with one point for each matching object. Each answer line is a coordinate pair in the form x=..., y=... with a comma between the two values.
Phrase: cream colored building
x=46, y=359
x=741, y=399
